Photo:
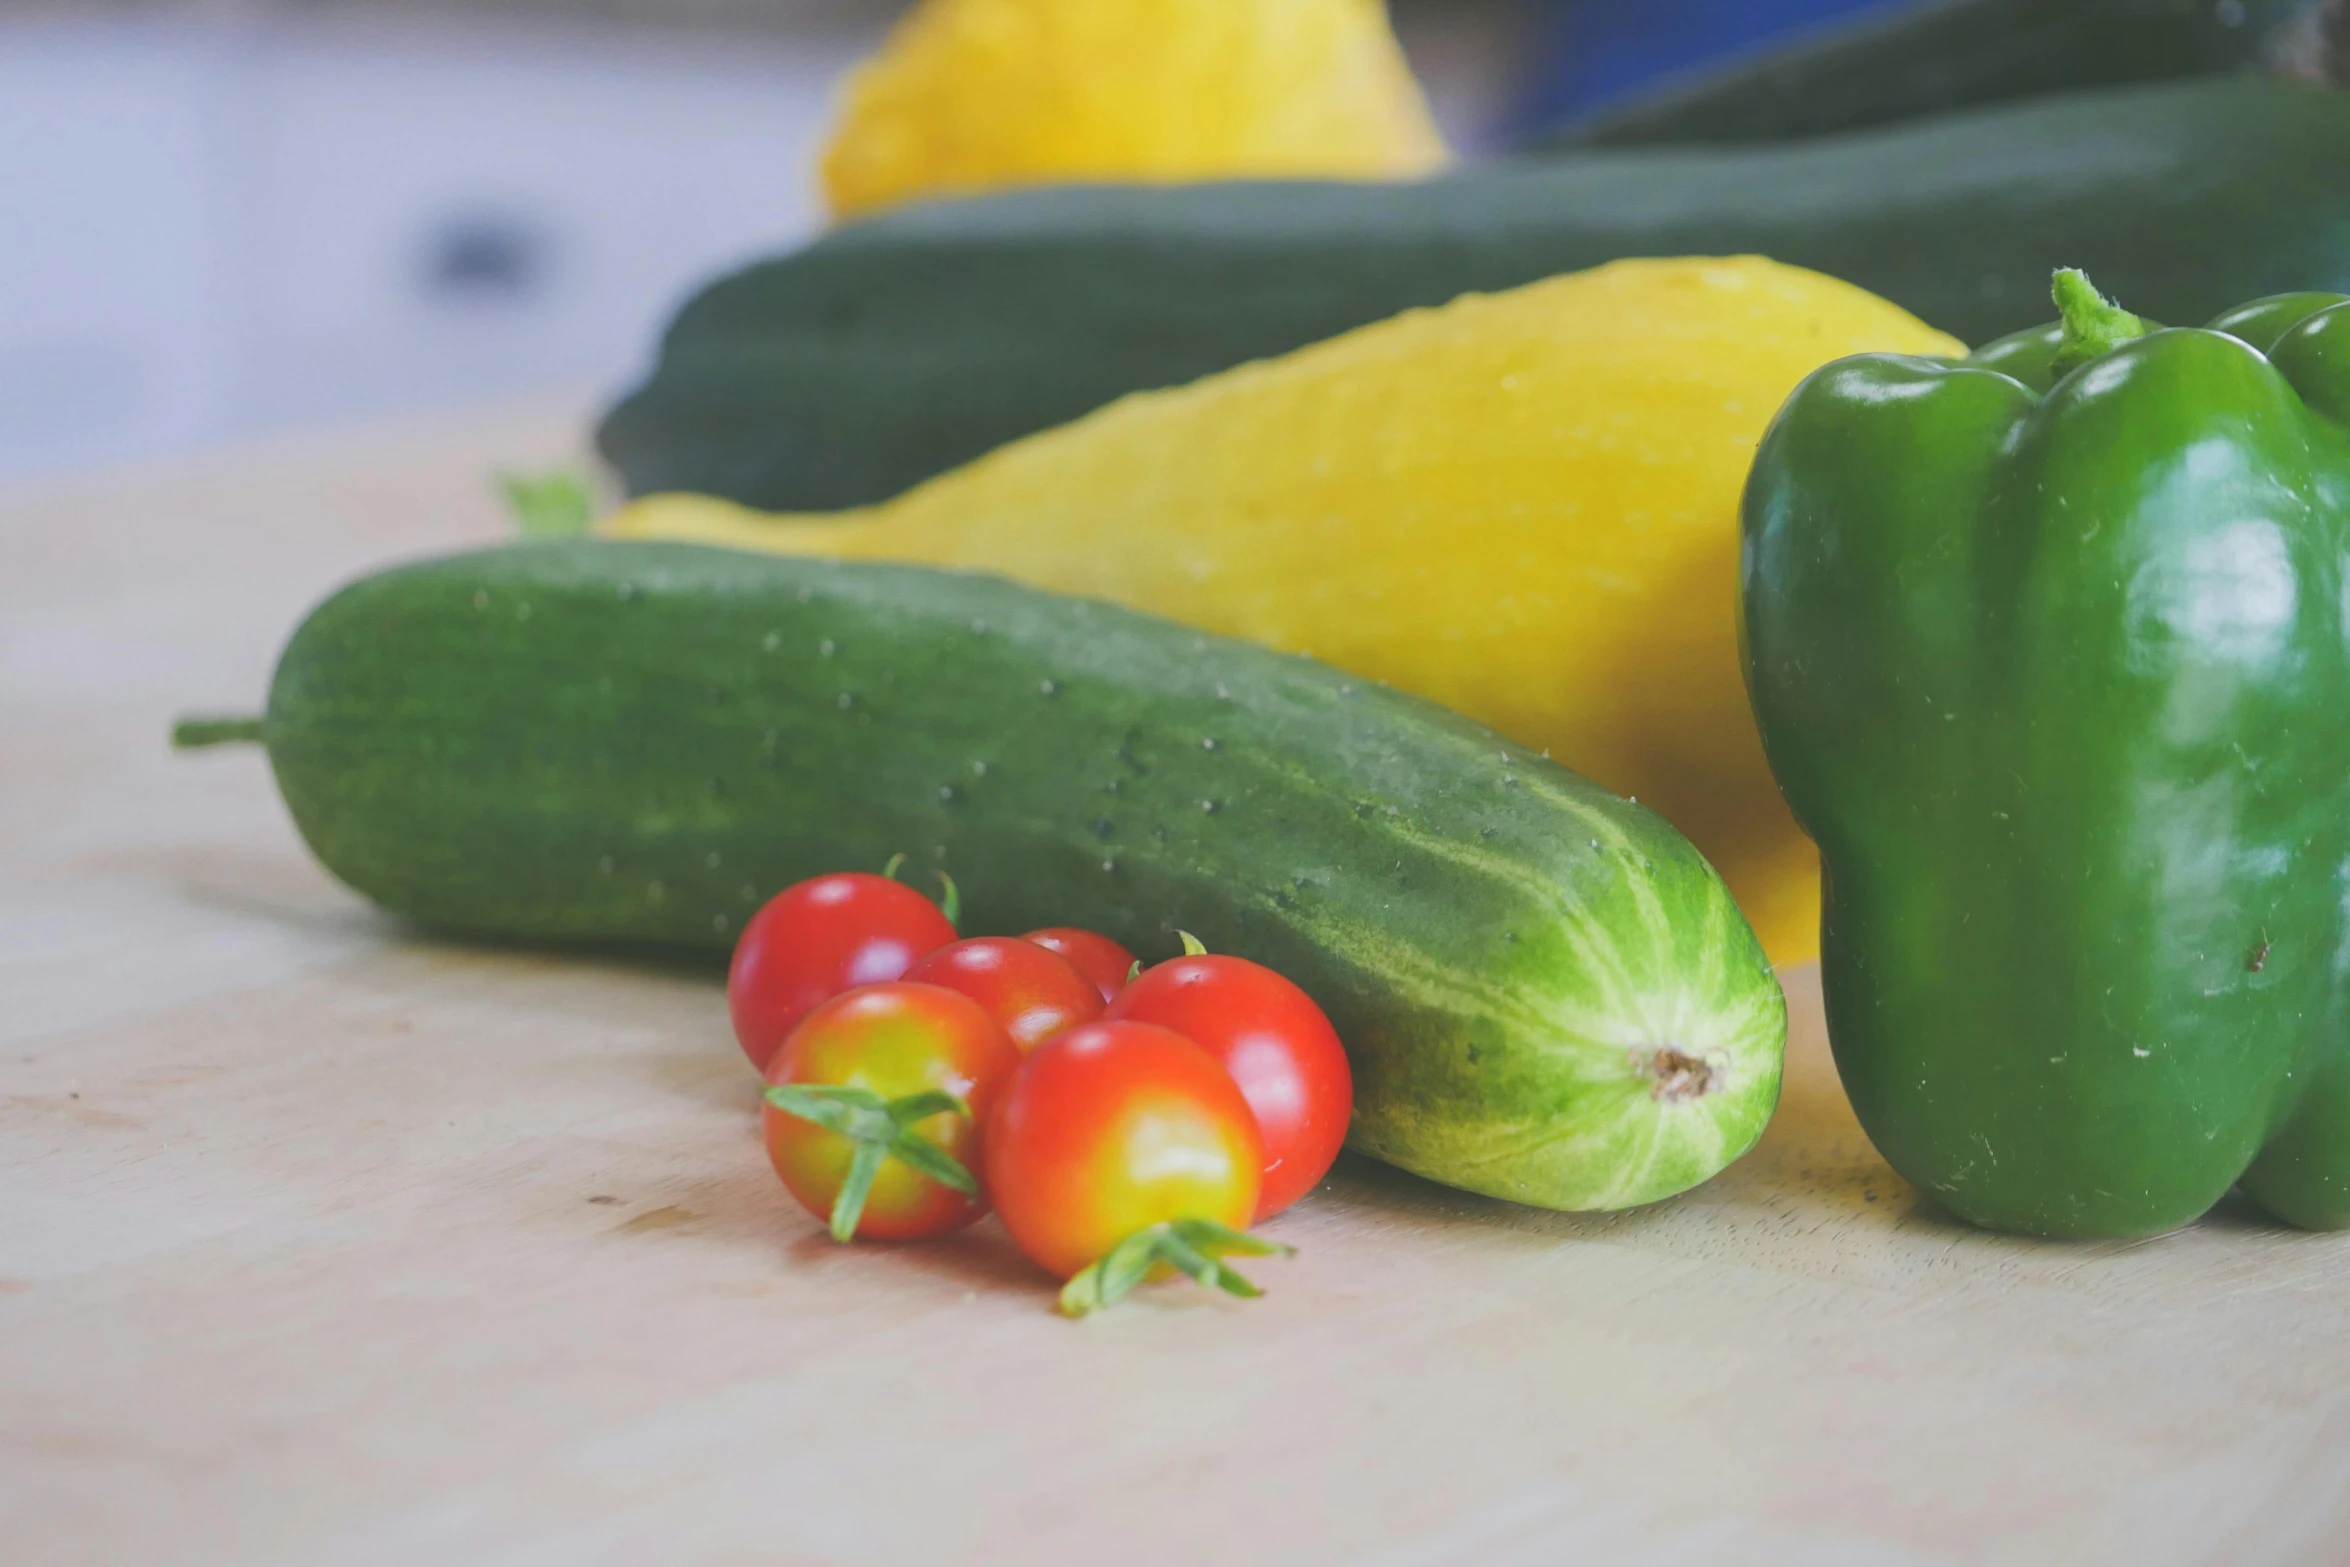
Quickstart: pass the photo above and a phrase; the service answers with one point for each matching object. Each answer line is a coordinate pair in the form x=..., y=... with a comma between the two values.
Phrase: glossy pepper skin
x=2053, y=661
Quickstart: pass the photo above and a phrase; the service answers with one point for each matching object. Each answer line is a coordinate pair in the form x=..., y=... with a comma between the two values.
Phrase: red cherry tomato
x=1113, y=1140
x=1032, y=992
x=1098, y=958
x=819, y=938
x=886, y=1053
x=1278, y=1047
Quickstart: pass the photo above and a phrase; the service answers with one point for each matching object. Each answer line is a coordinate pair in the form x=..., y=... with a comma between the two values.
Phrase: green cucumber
x=1546, y=993
x=1915, y=60
x=896, y=348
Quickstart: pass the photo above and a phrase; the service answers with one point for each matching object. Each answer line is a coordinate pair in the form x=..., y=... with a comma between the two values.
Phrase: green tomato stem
x=849, y=1205
x=879, y=1130
x=1193, y=1247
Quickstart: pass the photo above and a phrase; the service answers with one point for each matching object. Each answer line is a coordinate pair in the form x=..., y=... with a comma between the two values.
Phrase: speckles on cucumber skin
x=845, y=701
x=948, y=794
x=1048, y=688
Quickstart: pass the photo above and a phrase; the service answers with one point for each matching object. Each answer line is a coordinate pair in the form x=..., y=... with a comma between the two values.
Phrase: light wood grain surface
x=322, y=1241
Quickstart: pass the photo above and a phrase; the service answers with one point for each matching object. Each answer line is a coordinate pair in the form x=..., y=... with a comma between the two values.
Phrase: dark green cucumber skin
x=906, y=345
x=1880, y=68
x=602, y=741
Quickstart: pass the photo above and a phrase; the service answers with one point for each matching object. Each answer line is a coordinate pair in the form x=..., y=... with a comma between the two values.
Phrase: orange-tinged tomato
x=1110, y=1129
x=1032, y=991
x=894, y=1042
x=1278, y=1047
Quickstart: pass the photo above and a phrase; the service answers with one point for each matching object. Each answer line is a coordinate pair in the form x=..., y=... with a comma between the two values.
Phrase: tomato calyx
x=879, y=1129
x=1193, y=947
x=1193, y=1247
x=950, y=902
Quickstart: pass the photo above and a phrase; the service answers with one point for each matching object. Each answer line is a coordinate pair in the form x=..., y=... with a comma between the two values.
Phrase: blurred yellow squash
x=1522, y=505
x=974, y=95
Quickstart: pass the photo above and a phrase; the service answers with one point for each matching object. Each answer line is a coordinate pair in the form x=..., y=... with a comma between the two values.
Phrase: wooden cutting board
x=322, y=1241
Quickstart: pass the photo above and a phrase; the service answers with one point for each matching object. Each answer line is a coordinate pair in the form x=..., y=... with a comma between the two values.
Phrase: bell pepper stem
x=193, y=734
x=2094, y=326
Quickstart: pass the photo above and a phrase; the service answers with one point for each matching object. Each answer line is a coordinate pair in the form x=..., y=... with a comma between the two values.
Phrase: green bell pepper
x=2050, y=649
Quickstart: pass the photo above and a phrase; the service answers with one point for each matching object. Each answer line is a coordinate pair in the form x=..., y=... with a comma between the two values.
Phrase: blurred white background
x=218, y=220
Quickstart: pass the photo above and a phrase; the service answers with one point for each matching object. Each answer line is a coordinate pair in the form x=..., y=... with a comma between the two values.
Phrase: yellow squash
x=1522, y=505
x=974, y=95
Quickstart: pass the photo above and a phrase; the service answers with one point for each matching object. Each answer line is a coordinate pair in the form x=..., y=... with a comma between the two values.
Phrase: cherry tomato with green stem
x=1120, y=1151
x=874, y=1105
x=1097, y=957
x=1031, y=991
x=1278, y=1046
x=820, y=937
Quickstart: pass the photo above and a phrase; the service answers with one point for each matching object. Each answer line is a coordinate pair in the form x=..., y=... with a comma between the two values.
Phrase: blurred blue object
x=1595, y=52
